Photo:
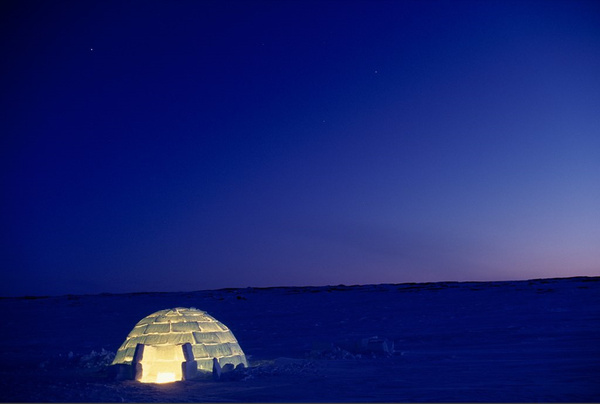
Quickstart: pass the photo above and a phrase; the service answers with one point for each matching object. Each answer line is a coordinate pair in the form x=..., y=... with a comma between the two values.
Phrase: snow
x=517, y=341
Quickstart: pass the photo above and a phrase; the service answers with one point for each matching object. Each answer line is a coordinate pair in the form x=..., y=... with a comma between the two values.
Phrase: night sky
x=187, y=145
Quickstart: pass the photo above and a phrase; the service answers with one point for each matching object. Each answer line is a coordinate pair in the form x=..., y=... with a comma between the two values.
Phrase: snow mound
x=97, y=359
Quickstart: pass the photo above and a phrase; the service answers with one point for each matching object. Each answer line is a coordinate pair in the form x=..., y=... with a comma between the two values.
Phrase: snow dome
x=173, y=344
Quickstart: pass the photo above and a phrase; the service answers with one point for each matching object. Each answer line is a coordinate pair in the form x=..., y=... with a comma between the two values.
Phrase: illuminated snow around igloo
x=174, y=344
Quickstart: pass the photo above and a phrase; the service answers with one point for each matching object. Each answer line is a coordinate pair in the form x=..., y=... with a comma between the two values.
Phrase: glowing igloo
x=175, y=344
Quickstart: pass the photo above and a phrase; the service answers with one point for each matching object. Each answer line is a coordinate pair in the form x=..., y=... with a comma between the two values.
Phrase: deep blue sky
x=185, y=145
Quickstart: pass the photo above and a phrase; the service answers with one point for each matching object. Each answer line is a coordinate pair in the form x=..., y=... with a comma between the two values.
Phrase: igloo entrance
x=161, y=364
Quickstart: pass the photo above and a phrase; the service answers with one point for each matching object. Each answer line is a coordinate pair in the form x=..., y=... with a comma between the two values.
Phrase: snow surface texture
x=492, y=341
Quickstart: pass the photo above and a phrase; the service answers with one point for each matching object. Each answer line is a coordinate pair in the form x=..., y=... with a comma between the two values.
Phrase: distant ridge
x=339, y=287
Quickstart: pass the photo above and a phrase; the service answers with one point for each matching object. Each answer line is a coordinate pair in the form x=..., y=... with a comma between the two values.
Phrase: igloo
x=176, y=344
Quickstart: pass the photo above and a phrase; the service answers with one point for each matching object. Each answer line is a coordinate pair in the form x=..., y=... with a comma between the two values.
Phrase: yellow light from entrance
x=162, y=364
x=165, y=377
